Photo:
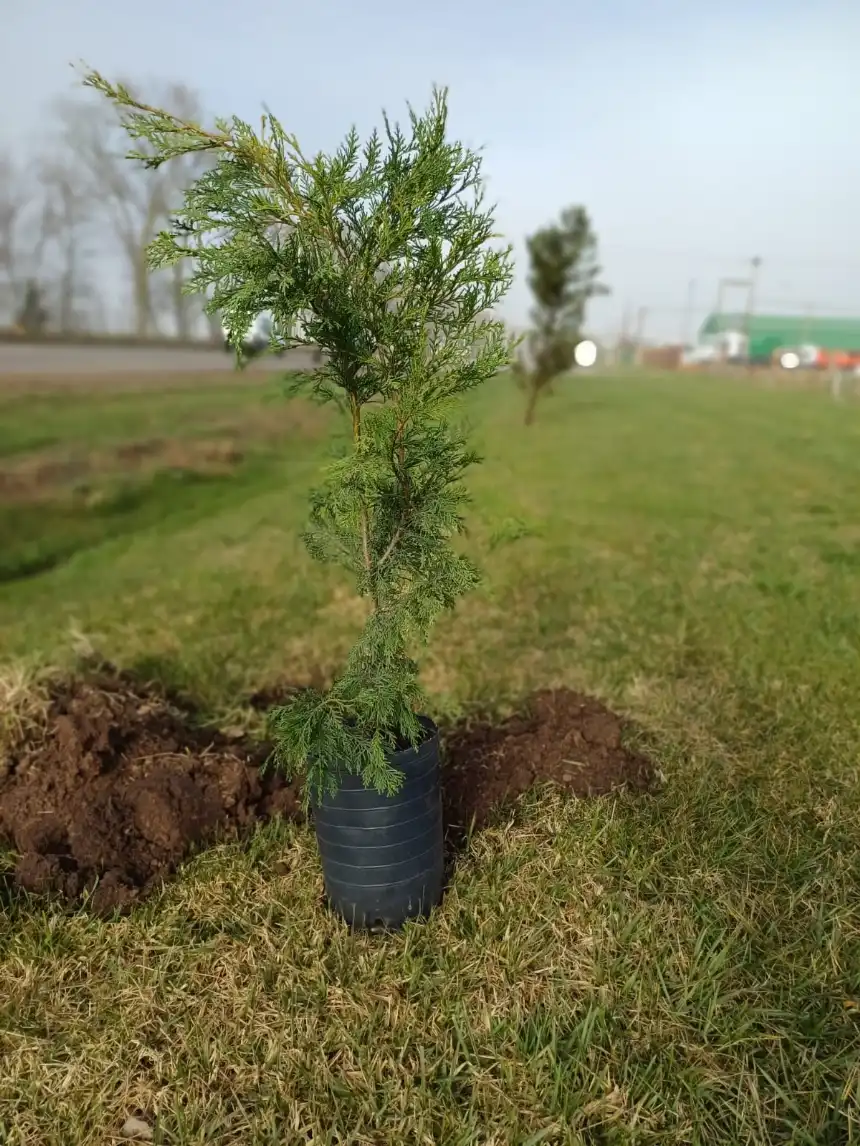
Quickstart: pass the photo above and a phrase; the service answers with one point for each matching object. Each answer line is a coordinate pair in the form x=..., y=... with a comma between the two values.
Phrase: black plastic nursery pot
x=383, y=856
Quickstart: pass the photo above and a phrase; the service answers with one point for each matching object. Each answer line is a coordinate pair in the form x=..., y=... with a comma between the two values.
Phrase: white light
x=585, y=353
x=790, y=360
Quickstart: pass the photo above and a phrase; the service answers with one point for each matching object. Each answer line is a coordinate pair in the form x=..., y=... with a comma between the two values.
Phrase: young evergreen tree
x=384, y=250
x=563, y=276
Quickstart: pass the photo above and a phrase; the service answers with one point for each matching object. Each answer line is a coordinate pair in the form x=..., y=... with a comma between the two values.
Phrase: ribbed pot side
x=383, y=856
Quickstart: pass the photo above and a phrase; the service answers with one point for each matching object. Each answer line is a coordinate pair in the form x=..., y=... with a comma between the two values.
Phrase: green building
x=770, y=332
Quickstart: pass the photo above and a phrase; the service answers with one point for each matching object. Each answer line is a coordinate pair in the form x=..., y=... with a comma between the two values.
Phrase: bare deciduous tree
x=23, y=235
x=136, y=201
x=68, y=218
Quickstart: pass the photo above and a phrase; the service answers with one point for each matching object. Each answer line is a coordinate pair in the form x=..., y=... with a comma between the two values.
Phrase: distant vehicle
x=809, y=357
x=257, y=338
x=789, y=360
x=798, y=357
x=700, y=355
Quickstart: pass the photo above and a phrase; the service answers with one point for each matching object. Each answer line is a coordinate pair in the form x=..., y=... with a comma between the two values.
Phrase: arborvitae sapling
x=383, y=250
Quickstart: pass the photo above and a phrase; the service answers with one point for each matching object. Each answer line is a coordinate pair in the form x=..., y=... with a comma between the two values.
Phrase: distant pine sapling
x=563, y=277
x=383, y=250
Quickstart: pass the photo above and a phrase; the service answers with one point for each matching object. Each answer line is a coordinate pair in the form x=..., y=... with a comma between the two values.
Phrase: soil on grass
x=562, y=737
x=120, y=787
x=120, y=783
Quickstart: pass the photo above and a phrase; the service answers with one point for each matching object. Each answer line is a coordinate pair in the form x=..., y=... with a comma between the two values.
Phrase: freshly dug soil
x=121, y=785
x=563, y=737
x=120, y=788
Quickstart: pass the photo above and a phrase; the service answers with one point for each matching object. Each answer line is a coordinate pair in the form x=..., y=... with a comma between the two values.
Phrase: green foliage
x=509, y=530
x=563, y=277
x=381, y=250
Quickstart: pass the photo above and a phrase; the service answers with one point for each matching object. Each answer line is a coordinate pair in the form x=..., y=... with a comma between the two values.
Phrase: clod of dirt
x=563, y=737
x=119, y=789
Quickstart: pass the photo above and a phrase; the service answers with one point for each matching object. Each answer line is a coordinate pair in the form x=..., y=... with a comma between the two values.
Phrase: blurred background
x=703, y=142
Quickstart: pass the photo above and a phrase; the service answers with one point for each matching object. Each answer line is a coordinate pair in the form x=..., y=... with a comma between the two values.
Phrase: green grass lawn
x=678, y=968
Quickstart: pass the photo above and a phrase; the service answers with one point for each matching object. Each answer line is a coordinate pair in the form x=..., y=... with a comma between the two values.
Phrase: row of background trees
x=75, y=221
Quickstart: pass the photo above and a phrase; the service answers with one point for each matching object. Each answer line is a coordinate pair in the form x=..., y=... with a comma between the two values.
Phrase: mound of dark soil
x=120, y=788
x=122, y=784
x=563, y=738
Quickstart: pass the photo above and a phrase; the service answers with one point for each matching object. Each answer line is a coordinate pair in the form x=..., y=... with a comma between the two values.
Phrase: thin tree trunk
x=146, y=324
x=216, y=335
x=142, y=298
x=181, y=305
x=68, y=287
x=531, y=406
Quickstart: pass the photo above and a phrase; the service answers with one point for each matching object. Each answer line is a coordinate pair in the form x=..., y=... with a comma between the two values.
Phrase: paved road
x=87, y=361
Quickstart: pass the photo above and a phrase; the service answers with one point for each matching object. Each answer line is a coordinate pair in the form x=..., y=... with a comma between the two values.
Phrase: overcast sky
x=697, y=134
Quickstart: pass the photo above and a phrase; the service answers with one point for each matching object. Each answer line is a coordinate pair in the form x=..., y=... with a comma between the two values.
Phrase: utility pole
x=624, y=336
x=687, y=319
x=721, y=294
x=625, y=322
x=755, y=264
x=749, y=285
x=641, y=315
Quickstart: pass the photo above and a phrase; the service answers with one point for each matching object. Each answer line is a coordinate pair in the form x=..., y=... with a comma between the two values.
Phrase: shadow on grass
x=40, y=536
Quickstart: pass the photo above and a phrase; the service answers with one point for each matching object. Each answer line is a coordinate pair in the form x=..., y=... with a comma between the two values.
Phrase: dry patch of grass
x=37, y=478
x=346, y=608
x=42, y=475
x=24, y=703
x=599, y=972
